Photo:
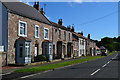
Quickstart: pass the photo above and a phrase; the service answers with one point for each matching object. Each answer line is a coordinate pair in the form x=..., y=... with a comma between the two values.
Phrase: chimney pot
x=42, y=11
x=88, y=36
x=36, y=5
x=60, y=22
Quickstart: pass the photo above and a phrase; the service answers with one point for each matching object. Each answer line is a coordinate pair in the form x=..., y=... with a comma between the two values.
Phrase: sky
x=100, y=19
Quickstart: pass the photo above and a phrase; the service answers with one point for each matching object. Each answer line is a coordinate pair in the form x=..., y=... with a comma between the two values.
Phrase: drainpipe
x=79, y=48
x=7, y=39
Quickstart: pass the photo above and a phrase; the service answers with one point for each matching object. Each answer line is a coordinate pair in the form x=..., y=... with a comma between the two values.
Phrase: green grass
x=112, y=53
x=57, y=65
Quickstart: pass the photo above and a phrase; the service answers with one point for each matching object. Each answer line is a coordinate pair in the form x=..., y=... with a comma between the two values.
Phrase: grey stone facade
x=64, y=45
x=13, y=22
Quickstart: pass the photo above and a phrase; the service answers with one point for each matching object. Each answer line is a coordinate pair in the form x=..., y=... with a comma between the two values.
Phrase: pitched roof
x=79, y=35
x=59, y=26
x=26, y=11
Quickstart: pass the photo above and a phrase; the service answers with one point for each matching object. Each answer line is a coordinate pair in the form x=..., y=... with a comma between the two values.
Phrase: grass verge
x=58, y=65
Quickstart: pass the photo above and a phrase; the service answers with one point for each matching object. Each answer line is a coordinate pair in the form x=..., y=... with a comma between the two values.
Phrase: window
x=37, y=31
x=27, y=49
x=64, y=35
x=69, y=36
x=46, y=33
x=59, y=34
x=22, y=29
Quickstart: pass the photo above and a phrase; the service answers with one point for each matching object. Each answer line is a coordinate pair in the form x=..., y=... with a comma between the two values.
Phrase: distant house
x=62, y=40
x=79, y=42
x=90, y=47
x=75, y=39
x=98, y=52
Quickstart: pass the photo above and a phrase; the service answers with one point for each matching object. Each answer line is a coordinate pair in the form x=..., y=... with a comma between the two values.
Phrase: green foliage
x=40, y=58
x=112, y=44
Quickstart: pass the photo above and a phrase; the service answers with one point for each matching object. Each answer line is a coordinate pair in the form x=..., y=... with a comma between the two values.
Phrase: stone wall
x=75, y=48
x=2, y=59
x=91, y=46
x=64, y=41
x=13, y=23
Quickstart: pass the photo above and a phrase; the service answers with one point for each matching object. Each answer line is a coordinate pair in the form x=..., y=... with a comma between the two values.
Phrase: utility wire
x=88, y=22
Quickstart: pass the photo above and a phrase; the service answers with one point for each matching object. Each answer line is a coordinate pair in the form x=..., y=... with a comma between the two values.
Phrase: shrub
x=40, y=58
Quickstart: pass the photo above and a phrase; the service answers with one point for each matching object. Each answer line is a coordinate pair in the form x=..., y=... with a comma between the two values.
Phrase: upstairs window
x=69, y=36
x=46, y=33
x=64, y=35
x=59, y=34
x=22, y=29
x=37, y=31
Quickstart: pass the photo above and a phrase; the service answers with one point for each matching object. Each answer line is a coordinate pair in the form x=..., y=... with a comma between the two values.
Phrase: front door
x=19, y=53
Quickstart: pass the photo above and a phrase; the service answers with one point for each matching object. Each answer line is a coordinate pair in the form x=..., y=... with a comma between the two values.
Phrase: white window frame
x=36, y=26
x=48, y=34
x=25, y=28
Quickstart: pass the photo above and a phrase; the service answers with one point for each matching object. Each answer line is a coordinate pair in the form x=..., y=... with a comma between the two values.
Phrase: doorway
x=36, y=50
x=23, y=51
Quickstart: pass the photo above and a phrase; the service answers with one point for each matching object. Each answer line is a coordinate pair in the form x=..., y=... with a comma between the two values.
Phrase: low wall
x=2, y=58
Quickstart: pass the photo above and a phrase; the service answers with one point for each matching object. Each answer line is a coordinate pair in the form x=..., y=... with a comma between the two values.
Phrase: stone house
x=23, y=32
x=90, y=47
x=62, y=40
x=75, y=39
x=79, y=44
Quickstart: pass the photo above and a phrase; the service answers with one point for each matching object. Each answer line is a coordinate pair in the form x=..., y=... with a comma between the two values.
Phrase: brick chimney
x=42, y=11
x=81, y=33
x=88, y=36
x=60, y=22
x=72, y=29
x=36, y=5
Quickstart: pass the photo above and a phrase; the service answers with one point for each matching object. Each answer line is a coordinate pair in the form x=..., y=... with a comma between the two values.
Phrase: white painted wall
x=81, y=47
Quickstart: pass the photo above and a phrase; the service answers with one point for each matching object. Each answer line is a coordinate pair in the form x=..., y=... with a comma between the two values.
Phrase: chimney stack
x=60, y=22
x=73, y=28
x=42, y=11
x=36, y=5
x=81, y=33
x=88, y=36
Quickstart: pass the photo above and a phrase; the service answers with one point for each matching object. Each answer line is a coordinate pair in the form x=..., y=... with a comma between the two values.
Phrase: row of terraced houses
x=26, y=33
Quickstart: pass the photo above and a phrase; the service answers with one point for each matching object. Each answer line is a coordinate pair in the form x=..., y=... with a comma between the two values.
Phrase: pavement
x=86, y=70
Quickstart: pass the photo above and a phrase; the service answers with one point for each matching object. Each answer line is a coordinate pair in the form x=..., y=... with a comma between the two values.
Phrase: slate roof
x=26, y=11
x=59, y=26
x=79, y=35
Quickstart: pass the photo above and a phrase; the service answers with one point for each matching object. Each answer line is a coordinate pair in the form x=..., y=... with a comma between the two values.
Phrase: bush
x=40, y=58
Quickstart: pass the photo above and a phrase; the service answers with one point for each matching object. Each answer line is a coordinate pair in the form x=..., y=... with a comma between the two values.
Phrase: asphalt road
x=104, y=68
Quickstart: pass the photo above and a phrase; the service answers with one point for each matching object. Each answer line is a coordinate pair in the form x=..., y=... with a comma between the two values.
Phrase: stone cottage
x=90, y=47
x=62, y=40
x=24, y=32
